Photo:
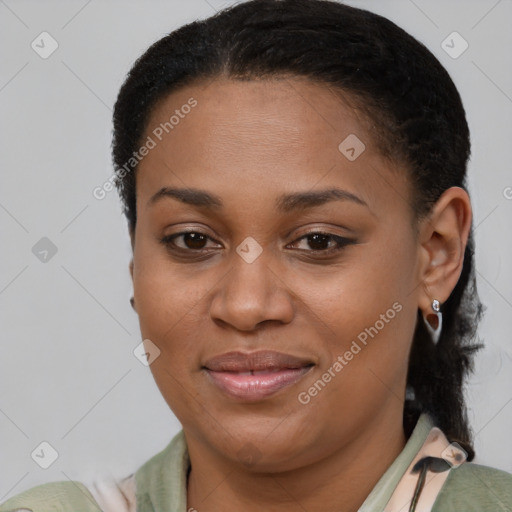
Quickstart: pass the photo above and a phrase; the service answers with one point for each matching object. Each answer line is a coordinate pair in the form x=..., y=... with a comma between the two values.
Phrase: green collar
x=161, y=482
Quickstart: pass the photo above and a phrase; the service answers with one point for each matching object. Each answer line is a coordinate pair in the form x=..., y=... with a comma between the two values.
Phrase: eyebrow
x=285, y=203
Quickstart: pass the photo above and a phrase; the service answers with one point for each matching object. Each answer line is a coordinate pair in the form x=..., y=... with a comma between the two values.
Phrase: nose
x=250, y=294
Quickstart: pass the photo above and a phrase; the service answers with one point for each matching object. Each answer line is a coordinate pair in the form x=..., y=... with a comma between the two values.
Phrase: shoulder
x=100, y=496
x=53, y=497
x=472, y=487
x=165, y=469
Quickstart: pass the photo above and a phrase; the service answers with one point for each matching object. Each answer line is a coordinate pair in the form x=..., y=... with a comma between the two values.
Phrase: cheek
x=169, y=309
x=375, y=283
x=167, y=305
x=371, y=317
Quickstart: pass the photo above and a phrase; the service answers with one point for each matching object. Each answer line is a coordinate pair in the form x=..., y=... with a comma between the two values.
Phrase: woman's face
x=253, y=163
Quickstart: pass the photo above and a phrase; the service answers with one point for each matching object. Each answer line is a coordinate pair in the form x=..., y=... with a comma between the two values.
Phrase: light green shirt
x=161, y=485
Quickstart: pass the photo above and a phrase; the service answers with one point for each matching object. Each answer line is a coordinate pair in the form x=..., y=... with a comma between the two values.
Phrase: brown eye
x=194, y=240
x=323, y=242
x=316, y=243
x=319, y=241
x=189, y=240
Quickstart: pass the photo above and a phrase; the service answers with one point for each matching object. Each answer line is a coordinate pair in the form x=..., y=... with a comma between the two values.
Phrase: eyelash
x=341, y=242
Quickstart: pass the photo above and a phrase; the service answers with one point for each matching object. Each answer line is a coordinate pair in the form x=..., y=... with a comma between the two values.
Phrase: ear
x=131, y=268
x=132, y=300
x=132, y=241
x=443, y=238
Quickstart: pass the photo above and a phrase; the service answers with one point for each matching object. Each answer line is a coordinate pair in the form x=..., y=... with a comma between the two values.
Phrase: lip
x=257, y=375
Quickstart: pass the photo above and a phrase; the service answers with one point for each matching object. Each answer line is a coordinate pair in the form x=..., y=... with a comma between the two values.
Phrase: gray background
x=68, y=373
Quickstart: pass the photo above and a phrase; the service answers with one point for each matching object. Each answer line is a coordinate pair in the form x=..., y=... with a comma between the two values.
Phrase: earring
x=434, y=322
x=132, y=302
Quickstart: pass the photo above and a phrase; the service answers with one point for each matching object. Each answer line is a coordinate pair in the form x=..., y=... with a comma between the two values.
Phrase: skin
x=248, y=142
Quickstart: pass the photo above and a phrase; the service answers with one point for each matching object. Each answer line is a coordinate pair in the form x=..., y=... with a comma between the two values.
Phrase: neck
x=341, y=481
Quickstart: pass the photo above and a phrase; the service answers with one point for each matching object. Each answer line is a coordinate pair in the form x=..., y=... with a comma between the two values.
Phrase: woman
x=293, y=176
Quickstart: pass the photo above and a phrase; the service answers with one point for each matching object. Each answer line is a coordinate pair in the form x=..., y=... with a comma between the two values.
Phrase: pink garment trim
x=435, y=445
x=115, y=496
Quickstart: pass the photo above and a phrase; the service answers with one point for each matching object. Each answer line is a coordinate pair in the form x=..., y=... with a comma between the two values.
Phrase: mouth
x=255, y=376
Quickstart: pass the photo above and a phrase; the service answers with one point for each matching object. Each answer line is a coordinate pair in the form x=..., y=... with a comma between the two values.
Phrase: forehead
x=231, y=136
x=280, y=114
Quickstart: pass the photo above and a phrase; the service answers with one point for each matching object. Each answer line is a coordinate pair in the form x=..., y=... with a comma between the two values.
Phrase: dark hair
x=417, y=118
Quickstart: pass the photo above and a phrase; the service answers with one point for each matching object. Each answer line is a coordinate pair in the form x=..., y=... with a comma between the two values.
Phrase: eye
x=325, y=243
x=196, y=241
x=191, y=240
